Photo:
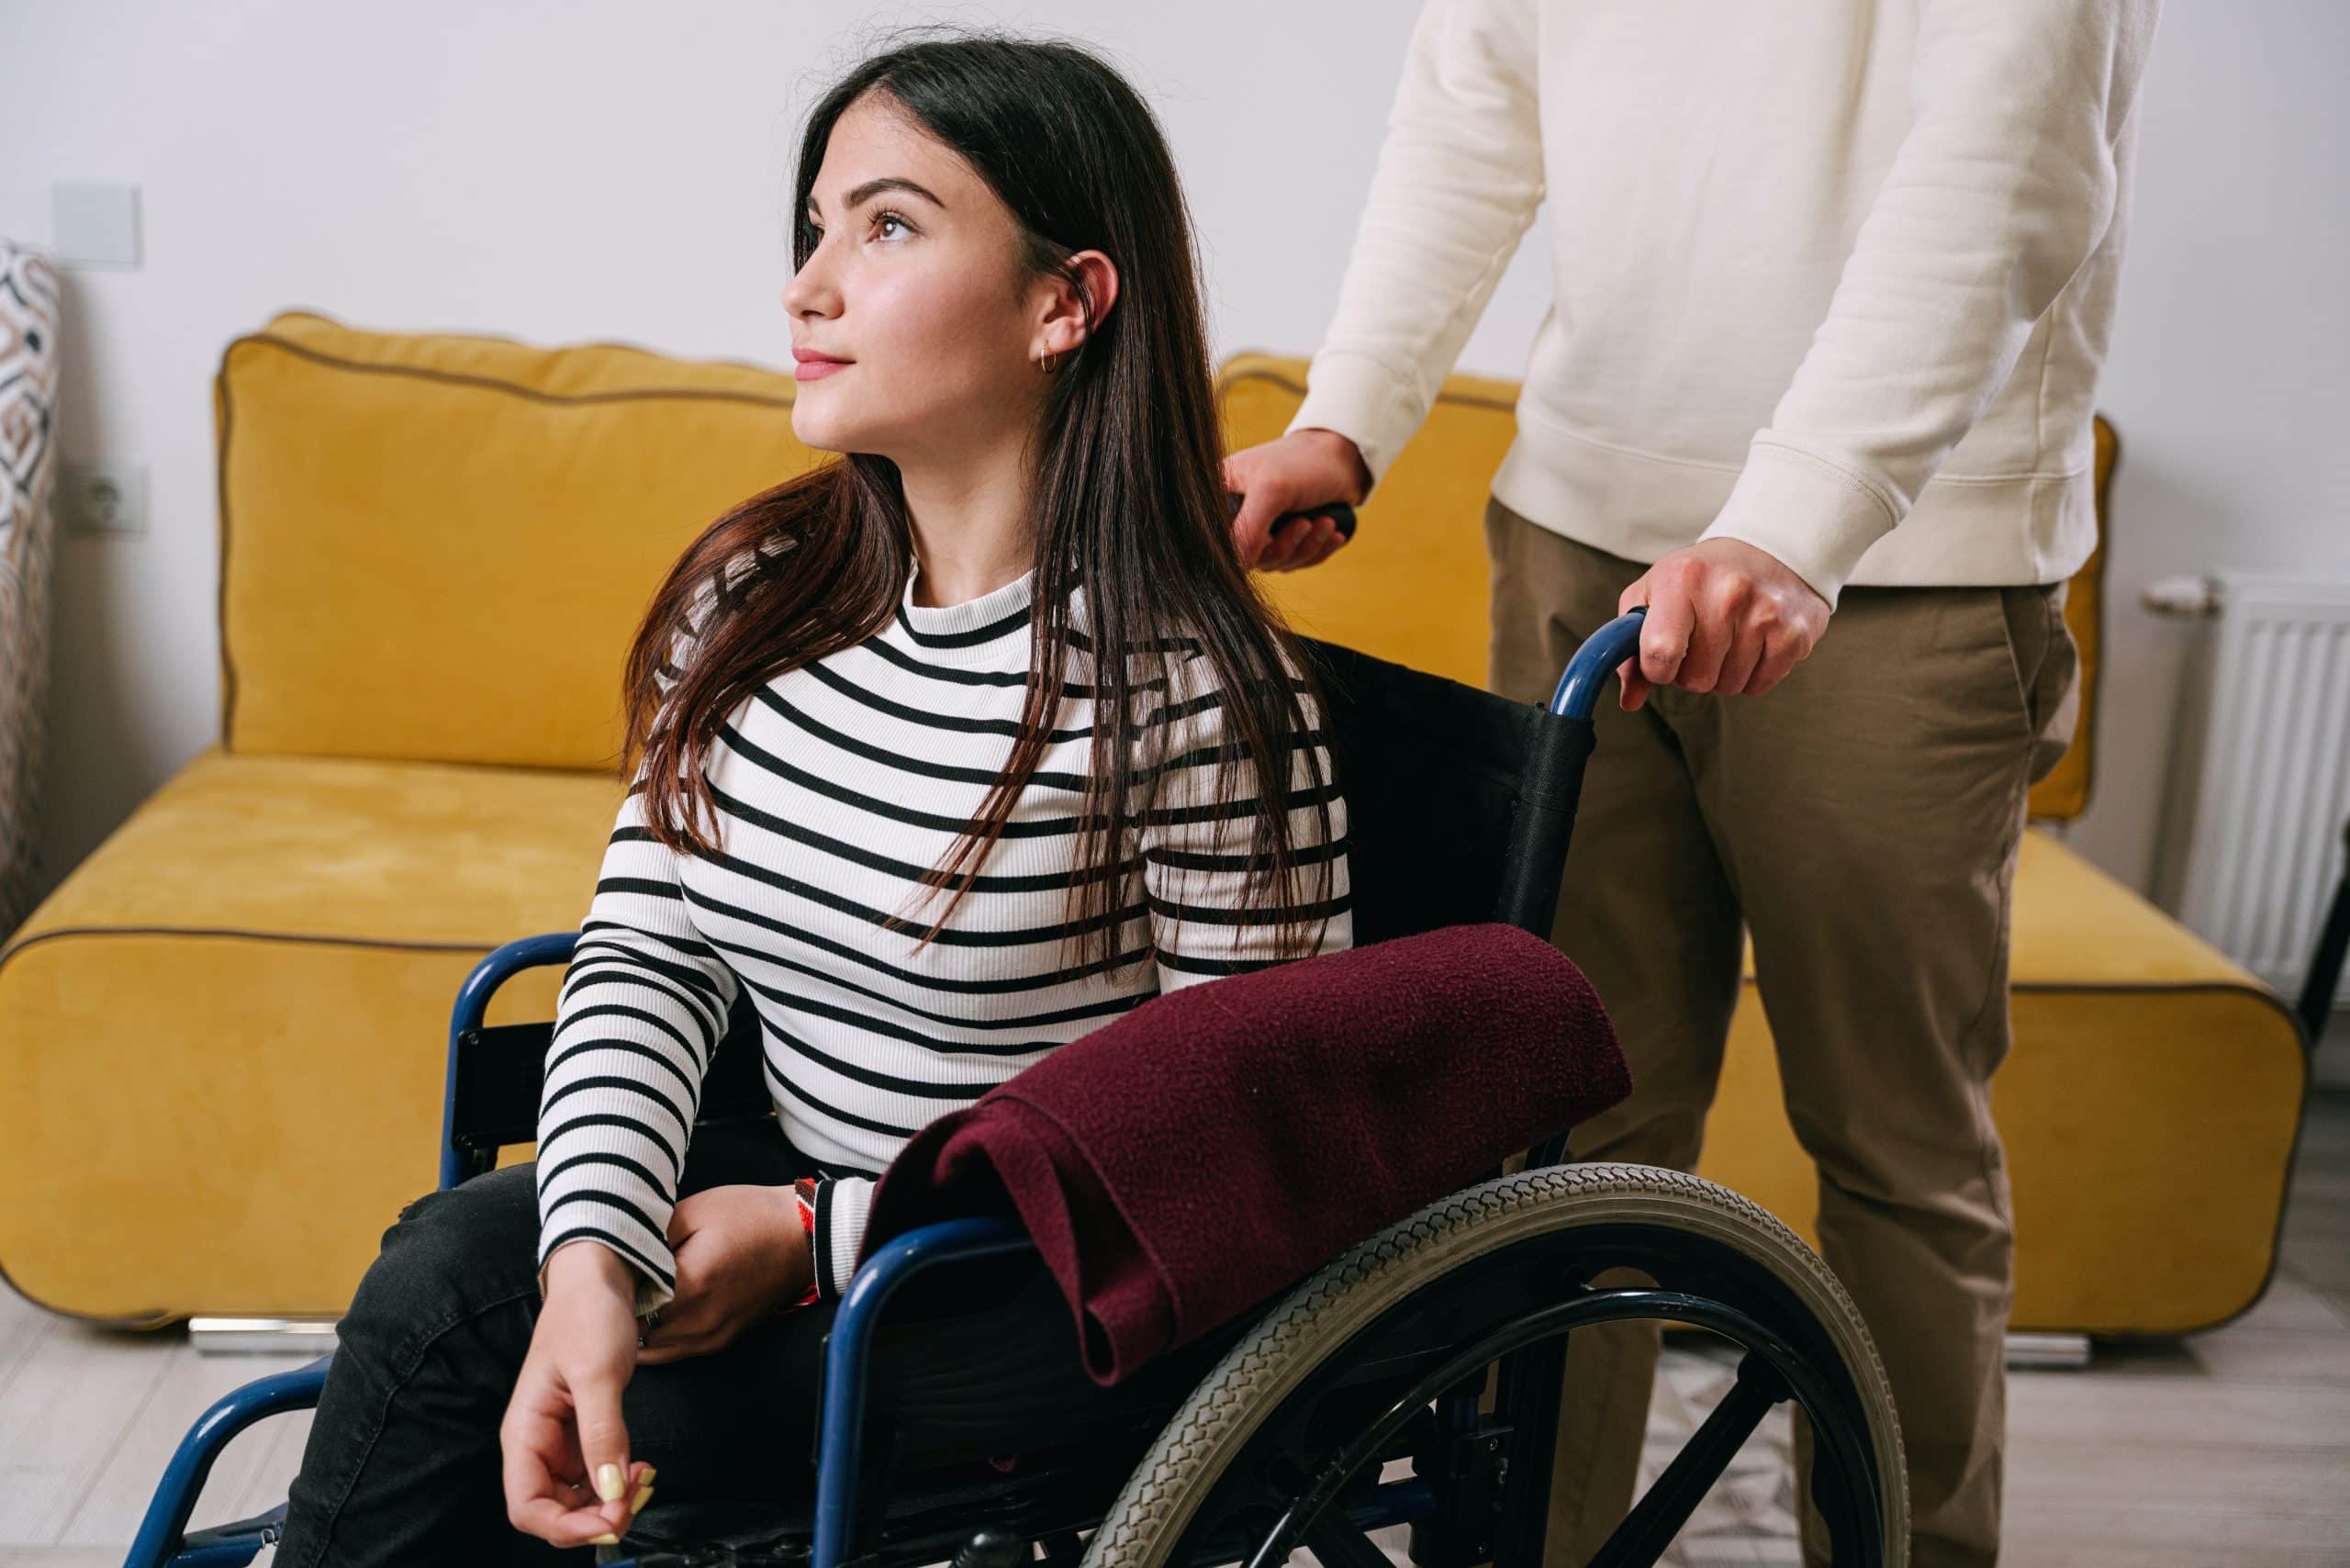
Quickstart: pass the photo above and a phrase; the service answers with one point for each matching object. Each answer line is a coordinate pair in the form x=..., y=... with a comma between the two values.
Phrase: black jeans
x=403, y=1465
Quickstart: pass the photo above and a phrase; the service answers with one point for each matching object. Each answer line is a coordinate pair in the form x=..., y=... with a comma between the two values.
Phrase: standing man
x=1831, y=282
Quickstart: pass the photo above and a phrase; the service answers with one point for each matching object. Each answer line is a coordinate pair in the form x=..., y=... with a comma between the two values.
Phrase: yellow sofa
x=2152, y=1100
x=226, y=1028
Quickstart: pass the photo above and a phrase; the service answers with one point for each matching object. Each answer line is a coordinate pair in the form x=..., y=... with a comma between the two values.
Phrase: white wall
x=600, y=169
x=2229, y=375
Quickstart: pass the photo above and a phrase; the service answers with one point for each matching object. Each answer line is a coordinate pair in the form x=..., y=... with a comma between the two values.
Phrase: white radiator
x=2252, y=832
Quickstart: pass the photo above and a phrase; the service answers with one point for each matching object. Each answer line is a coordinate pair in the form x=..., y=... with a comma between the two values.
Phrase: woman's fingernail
x=643, y=1495
x=610, y=1482
x=607, y=1539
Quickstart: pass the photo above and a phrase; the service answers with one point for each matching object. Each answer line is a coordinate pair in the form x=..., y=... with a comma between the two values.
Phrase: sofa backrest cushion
x=437, y=546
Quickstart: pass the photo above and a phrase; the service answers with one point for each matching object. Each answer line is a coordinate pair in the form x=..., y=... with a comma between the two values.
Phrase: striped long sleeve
x=639, y=1016
x=642, y=1008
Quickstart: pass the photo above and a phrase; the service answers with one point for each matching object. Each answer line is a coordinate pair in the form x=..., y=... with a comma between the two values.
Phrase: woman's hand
x=742, y=1256
x=569, y=1477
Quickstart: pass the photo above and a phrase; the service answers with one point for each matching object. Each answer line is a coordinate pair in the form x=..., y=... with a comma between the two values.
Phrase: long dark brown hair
x=1128, y=506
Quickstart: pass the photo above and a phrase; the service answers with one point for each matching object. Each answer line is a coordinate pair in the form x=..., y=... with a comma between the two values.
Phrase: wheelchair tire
x=1209, y=1434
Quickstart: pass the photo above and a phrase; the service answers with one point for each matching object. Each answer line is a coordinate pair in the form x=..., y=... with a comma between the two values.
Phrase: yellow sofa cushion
x=437, y=547
x=226, y=1033
x=1412, y=585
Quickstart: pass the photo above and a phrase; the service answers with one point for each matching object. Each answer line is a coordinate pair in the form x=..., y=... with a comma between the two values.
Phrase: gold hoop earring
x=1050, y=363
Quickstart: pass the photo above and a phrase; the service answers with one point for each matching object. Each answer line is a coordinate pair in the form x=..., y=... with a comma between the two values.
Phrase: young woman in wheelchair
x=887, y=795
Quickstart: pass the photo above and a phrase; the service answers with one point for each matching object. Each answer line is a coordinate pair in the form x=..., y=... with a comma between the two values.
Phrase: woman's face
x=913, y=326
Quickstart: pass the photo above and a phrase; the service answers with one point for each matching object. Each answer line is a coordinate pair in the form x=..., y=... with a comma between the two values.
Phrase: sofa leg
x=261, y=1336
x=2042, y=1351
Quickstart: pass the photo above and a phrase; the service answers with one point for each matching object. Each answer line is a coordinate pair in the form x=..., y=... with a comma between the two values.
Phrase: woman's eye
x=889, y=226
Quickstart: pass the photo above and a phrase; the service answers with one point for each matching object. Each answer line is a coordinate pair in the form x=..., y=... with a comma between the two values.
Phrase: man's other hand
x=1724, y=617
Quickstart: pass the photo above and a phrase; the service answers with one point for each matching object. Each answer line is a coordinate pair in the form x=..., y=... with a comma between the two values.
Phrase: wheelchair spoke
x=1658, y=1517
x=1336, y=1543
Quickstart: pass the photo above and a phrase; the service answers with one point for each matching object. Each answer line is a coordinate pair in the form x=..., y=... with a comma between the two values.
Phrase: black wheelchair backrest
x=1459, y=802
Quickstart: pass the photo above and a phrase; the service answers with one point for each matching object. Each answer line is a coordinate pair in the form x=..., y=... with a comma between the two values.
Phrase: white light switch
x=94, y=225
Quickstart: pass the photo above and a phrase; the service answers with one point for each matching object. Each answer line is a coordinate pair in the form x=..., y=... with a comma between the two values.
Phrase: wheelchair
x=1436, y=1346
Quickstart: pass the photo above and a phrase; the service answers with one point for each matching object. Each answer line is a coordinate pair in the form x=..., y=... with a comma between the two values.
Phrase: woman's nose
x=809, y=291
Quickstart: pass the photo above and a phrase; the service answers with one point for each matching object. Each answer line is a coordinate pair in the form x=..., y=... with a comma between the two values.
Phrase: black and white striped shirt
x=839, y=783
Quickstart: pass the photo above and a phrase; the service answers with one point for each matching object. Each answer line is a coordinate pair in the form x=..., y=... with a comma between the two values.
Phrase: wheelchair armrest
x=848, y=1352
x=490, y=1091
x=161, y=1533
x=502, y=964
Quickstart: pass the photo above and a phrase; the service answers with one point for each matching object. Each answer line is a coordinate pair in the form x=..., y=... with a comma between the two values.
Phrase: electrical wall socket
x=103, y=496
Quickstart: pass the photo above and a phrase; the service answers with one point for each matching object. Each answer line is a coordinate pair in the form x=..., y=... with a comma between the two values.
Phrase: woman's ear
x=1077, y=300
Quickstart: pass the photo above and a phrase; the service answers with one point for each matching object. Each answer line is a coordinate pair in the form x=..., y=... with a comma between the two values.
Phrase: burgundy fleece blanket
x=1222, y=1142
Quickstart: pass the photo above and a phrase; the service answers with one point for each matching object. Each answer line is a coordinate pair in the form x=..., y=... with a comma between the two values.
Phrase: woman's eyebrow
x=872, y=188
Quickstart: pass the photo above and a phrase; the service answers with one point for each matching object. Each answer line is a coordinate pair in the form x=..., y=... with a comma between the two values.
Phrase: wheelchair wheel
x=1281, y=1445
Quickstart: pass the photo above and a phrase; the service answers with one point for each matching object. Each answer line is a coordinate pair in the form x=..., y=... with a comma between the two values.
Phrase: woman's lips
x=816, y=366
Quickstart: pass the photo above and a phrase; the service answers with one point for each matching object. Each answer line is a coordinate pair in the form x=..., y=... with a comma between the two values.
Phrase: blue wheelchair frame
x=163, y=1541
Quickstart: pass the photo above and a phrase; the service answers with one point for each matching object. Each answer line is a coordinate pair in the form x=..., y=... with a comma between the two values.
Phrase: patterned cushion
x=28, y=317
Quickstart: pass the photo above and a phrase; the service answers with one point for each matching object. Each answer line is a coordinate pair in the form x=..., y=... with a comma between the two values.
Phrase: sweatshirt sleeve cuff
x=1364, y=401
x=1817, y=519
x=842, y=1205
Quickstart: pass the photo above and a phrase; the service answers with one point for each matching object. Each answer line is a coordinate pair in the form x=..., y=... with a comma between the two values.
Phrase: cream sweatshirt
x=1834, y=277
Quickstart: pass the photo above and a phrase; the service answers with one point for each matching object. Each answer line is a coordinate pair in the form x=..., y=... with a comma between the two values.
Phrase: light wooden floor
x=2228, y=1449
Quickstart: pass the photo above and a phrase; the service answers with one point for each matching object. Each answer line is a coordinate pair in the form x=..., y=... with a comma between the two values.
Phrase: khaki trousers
x=1861, y=821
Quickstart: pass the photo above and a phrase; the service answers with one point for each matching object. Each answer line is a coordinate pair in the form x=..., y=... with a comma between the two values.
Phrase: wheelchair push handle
x=1338, y=512
x=1552, y=786
x=1587, y=672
